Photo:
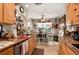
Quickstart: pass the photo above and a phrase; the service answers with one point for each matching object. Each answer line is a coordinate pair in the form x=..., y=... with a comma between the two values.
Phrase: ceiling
x=50, y=10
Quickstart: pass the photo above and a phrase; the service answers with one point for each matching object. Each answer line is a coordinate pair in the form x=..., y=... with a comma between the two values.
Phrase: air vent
x=38, y=3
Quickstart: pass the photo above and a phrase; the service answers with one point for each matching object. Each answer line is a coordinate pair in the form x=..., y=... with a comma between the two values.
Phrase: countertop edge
x=15, y=43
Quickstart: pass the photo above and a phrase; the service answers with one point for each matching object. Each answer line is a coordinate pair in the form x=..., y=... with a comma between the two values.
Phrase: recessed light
x=26, y=5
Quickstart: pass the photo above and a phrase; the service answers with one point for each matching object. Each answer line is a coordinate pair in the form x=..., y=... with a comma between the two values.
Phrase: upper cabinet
x=1, y=13
x=9, y=13
x=75, y=14
x=69, y=14
x=7, y=10
x=72, y=14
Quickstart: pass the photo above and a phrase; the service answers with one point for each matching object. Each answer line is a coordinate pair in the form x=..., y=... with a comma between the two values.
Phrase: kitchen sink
x=76, y=45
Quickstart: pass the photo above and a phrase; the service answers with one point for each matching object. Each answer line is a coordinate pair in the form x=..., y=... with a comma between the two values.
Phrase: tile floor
x=49, y=49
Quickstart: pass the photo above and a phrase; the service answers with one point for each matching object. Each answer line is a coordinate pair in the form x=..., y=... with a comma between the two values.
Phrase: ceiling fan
x=43, y=18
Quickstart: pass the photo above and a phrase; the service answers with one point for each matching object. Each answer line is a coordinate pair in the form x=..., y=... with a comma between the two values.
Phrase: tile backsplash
x=10, y=28
x=72, y=27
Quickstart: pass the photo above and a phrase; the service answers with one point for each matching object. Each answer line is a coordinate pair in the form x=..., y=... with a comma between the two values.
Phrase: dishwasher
x=20, y=49
x=17, y=49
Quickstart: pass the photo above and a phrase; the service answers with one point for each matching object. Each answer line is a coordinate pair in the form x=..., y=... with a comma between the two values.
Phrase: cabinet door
x=1, y=12
x=75, y=14
x=9, y=13
x=8, y=51
x=70, y=52
x=69, y=14
x=30, y=45
x=64, y=47
x=60, y=50
x=34, y=42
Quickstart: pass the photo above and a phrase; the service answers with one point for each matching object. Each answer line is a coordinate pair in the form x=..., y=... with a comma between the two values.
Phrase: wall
x=10, y=28
x=24, y=16
x=27, y=21
x=29, y=25
x=53, y=20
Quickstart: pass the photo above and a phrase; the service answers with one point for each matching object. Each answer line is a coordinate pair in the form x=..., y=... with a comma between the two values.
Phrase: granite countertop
x=14, y=41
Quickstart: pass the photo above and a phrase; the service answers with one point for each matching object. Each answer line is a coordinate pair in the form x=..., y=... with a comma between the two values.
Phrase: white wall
x=23, y=15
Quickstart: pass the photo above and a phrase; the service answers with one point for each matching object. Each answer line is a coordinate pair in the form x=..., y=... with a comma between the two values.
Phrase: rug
x=38, y=51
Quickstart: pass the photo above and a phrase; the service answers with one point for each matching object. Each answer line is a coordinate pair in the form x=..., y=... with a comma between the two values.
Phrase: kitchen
x=39, y=29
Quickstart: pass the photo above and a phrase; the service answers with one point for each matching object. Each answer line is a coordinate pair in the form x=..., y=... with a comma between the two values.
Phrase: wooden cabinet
x=30, y=49
x=9, y=13
x=60, y=50
x=64, y=49
x=75, y=14
x=34, y=42
x=72, y=14
x=8, y=51
x=31, y=44
x=69, y=51
x=69, y=14
x=1, y=12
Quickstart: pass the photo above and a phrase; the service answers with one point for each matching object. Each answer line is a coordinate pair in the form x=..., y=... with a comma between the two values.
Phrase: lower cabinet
x=8, y=51
x=62, y=49
x=70, y=52
x=31, y=45
x=65, y=50
x=60, y=52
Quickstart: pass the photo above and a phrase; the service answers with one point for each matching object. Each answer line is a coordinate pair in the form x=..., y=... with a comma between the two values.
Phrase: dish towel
x=23, y=49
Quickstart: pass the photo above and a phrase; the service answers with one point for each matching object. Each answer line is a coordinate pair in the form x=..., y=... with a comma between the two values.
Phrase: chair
x=42, y=37
x=39, y=37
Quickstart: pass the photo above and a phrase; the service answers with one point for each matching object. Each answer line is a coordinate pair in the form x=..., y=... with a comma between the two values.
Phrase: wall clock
x=21, y=9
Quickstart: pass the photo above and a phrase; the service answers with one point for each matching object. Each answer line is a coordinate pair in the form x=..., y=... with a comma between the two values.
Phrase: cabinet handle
x=75, y=9
x=78, y=15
